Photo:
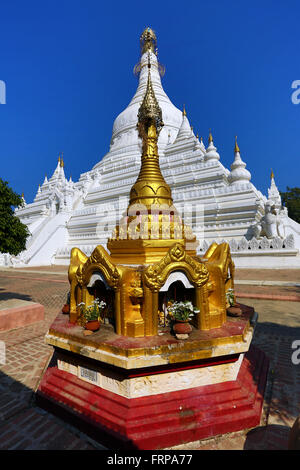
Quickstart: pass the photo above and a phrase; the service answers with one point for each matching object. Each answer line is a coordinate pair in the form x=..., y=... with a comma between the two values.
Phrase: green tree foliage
x=13, y=233
x=291, y=199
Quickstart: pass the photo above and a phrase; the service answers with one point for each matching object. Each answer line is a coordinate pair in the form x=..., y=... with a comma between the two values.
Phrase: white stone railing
x=255, y=244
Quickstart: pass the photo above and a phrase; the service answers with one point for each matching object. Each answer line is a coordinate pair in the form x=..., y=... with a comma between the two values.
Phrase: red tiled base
x=24, y=315
x=164, y=420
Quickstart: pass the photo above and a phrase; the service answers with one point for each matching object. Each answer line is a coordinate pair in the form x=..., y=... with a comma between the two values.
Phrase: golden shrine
x=149, y=245
x=132, y=357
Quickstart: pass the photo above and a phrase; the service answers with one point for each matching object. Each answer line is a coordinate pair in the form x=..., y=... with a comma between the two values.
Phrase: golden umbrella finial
x=148, y=41
x=62, y=161
x=150, y=108
x=272, y=174
x=184, y=111
x=210, y=137
x=236, y=147
x=150, y=187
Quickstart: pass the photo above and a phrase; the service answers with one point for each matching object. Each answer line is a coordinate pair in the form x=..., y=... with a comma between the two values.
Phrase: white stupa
x=65, y=214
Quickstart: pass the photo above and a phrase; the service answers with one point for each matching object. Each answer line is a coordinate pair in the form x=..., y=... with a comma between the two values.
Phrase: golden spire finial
x=62, y=161
x=22, y=195
x=150, y=187
x=150, y=109
x=272, y=174
x=59, y=158
x=236, y=147
x=197, y=136
x=210, y=137
x=148, y=41
x=183, y=111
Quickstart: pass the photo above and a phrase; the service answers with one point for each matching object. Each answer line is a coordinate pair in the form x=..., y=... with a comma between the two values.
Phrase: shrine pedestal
x=155, y=392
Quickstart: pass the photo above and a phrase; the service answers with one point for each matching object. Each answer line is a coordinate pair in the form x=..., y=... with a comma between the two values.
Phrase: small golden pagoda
x=150, y=243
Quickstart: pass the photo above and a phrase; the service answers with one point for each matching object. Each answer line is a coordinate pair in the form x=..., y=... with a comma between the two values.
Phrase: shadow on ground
x=5, y=295
x=271, y=437
x=23, y=425
x=277, y=329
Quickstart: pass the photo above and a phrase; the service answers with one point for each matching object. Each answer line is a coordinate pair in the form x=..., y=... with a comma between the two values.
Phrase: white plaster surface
x=157, y=383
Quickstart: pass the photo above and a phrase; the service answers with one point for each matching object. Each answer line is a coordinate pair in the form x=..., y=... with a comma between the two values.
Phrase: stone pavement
x=25, y=426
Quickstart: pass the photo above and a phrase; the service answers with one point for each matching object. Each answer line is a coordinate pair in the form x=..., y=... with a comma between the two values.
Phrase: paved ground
x=25, y=426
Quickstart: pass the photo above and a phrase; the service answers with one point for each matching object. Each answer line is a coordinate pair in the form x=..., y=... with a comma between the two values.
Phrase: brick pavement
x=25, y=426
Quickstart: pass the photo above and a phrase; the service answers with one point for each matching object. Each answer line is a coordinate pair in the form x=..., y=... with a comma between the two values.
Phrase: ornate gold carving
x=176, y=259
x=101, y=260
x=135, y=290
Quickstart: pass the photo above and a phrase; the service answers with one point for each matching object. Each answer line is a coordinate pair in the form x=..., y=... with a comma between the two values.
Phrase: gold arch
x=155, y=276
x=100, y=260
x=176, y=259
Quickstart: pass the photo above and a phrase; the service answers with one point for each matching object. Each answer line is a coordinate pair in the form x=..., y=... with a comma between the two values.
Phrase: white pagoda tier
x=220, y=204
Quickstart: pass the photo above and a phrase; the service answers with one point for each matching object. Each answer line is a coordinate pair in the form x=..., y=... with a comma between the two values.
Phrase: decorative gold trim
x=100, y=260
x=177, y=259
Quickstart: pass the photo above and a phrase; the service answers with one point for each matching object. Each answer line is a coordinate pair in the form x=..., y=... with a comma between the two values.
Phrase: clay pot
x=234, y=311
x=66, y=308
x=92, y=325
x=182, y=328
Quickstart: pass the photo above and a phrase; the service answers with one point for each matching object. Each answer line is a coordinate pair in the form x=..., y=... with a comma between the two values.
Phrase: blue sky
x=68, y=67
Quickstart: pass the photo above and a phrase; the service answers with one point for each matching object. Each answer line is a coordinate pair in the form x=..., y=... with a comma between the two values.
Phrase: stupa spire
x=185, y=130
x=148, y=41
x=236, y=147
x=211, y=151
x=150, y=187
x=238, y=173
x=272, y=174
x=273, y=193
x=151, y=216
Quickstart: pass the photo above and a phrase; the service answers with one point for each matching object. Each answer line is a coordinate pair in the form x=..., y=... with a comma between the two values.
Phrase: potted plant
x=234, y=309
x=180, y=314
x=91, y=314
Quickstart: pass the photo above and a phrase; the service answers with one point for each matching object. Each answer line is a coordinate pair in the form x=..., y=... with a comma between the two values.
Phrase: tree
x=291, y=199
x=13, y=234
